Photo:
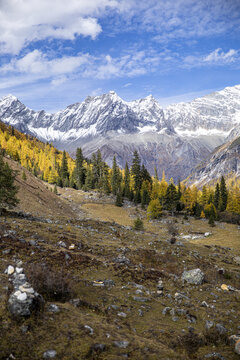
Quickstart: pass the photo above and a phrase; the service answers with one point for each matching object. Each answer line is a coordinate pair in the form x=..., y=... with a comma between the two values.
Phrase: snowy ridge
x=193, y=128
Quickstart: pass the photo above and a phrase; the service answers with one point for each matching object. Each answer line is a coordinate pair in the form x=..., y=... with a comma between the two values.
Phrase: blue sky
x=54, y=53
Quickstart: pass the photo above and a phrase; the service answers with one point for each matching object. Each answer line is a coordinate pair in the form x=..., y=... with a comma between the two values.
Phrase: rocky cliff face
x=174, y=139
x=225, y=160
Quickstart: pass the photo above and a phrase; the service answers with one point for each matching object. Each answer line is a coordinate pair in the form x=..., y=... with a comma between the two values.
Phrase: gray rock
x=22, y=304
x=221, y=329
x=195, y=276
x=121, y=344
x=166, y=310
x=122, y=314
x=49, y=354
x=214, y=355
x=140, y=299
x=53, y=308
x=90, y=330
x=209, y=324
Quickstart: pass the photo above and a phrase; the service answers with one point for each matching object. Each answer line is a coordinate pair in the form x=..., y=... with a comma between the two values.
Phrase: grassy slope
x=150, y=336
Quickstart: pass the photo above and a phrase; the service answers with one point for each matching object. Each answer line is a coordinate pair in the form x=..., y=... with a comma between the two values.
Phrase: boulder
x=195, y=276
x=23, y=304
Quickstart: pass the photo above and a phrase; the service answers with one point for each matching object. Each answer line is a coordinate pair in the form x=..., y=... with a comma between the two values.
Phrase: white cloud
x=37, y=63
x=217, y=57
x=22, y=22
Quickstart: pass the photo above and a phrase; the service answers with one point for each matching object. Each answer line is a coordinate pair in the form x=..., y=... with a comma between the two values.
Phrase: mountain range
x=174, y=139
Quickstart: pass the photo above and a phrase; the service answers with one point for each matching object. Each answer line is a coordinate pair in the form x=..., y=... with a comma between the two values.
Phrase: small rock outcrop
x=195, y=276
x=24, y=300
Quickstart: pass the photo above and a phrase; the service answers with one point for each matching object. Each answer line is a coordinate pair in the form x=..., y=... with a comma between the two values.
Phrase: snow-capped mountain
x=224, y=161
x=174, y=139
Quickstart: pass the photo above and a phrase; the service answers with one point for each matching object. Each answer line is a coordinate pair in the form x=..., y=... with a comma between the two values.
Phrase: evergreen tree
x=136, y=172
x=216, y=200
x=115, y=179
x=8, y=190
x=106, y=183
x=119, y=199
x=127, y=182
x=144, y=175
x=171, y=198
x=64, y=168
x=55, y=189
x=155, y=173
x=80, y=172
x=89, y=180
x=223, y=195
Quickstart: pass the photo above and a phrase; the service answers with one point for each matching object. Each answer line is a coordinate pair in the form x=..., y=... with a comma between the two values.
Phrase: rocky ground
x=80, y=286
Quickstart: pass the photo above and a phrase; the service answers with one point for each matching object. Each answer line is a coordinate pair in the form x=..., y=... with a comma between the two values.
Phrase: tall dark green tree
x=136, y=171
x=8, y=190
x=145, y=176
x=64, y=173
x=216, y=200
x=223, y=195
x=171, y=198
x=127, y=192
x=115, y=179
x=155, y=173
x=80, y=172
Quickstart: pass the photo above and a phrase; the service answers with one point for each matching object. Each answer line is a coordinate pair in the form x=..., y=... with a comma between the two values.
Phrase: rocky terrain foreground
x=82, y=284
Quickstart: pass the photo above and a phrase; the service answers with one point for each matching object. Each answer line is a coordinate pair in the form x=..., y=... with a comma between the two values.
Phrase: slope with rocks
x=224, y=161
x=174, y=139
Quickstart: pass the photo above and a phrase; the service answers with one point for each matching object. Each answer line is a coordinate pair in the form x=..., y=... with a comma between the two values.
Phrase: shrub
x=50, y=284
x=138, y=224
x=154, y=210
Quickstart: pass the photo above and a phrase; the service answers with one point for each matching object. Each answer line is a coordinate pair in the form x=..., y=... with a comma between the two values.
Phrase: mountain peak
x=9, y=98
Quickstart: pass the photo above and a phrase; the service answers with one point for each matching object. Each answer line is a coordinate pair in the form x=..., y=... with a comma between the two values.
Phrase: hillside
x=172, y=139
x=224, y=161
x=111, y=292
x=35, y=195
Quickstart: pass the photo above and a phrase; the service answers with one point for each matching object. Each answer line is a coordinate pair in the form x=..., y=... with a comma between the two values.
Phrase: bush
x=154, y=210
x=138, y=224
x=50, y=284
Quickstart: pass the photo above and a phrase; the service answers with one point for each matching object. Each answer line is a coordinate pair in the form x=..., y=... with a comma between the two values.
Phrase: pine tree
x=55, y=189
x=155, y=173
x=115, y=179
x=223, y=195
x=136, y=172
x=64, y=168
x=216, y=200
x=80, y=173
x=127, y=181
x=8, y=190
x=119, y=199
x=171, y=198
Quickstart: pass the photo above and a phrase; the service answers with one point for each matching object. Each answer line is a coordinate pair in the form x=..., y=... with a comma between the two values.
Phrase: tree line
x=133, y=183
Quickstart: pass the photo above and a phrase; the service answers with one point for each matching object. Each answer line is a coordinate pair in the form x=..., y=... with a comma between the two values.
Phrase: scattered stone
x=160, y=285
x=121, y=344
x=209, y=324
x=6, y=251
x=72, y=247
x=24, y=328
x=90, y=330
x=10, y=270
x=140, y=299
x=204, y=304
x=109, y=283
x=221, y=329
x=237, y=347
x=62, y=244
x=237, y=260
x=98, y=283
x=49, y=354
x=122, y=314
x=97, y=348
x=122, y=260
x=195, y=276
x=53, y=308
x=166, y=310
x=214, y=355
x=221, y=271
